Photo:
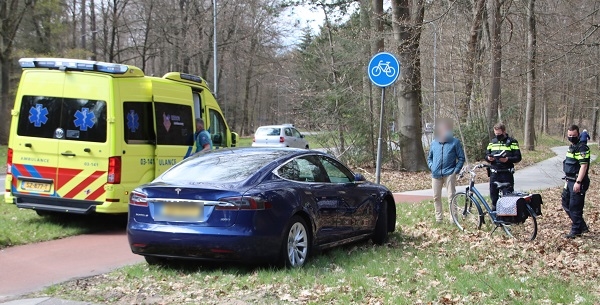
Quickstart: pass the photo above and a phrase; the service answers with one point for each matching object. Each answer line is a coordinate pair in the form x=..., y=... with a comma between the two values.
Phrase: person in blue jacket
x=584, y=137
x=446, y=159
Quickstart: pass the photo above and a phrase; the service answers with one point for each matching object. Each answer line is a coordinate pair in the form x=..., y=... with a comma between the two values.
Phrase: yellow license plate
x=182, y=211
x=36, y=186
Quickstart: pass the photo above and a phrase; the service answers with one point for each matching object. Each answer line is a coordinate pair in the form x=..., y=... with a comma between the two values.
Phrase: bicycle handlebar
x=472, y=171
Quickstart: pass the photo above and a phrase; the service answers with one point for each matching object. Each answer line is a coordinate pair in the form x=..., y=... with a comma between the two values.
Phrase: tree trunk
x=11, y=15
x=365, y=22
x=246, y=112
x=407, y=24
x=496, y=67
x=94, y=47
x=531, y=77
x=474, y=38
x=594, y=134
x=83, y=24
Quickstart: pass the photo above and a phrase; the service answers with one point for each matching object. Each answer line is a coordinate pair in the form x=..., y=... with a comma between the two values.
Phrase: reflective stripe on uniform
x=501, y=146
x=583, y=159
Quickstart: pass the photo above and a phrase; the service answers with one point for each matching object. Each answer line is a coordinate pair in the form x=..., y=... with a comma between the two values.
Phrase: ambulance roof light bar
x=73, y=64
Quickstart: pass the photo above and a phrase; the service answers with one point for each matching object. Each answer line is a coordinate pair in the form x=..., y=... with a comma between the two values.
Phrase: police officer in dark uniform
x=576, y=166
x=502, y=154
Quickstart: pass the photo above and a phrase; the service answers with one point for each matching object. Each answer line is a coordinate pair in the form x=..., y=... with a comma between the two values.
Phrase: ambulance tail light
x=9, y=161
x=114, y=170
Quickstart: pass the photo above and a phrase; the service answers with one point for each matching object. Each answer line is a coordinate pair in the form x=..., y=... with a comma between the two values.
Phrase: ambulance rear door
x=33, y=144
x=174, y=123
x=84, y=137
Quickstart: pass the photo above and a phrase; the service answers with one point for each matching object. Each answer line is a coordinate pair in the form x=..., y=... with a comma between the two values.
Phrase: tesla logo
x=178, y=190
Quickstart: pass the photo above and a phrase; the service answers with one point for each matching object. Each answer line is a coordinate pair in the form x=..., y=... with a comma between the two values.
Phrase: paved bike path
x=29, y=268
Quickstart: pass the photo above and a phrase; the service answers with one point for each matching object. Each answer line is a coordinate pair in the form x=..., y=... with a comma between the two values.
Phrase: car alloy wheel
x=297, y=244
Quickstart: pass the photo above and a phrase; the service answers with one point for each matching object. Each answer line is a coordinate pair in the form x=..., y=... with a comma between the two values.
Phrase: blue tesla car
x=256, y=205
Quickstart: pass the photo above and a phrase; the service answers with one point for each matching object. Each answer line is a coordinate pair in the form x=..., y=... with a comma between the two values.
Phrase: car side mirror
x=302, y=136
x=359, y=178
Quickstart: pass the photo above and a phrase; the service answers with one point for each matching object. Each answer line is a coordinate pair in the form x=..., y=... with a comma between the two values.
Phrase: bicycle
x=471, y=217
x=383, y=67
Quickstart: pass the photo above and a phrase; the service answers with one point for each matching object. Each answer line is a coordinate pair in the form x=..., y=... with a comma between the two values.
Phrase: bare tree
x=531, y=76
x=407, y=25
x=474, y=40
x=495, y=15
x=11, y=15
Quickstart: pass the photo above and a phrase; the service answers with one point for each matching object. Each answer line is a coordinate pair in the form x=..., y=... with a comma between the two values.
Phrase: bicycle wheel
x=466, y=213
x=525, y=231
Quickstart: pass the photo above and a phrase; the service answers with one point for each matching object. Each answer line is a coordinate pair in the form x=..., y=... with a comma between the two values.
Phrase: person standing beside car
x=502, y=154
x=576, y=167
x=445, y=160
x=202, y=137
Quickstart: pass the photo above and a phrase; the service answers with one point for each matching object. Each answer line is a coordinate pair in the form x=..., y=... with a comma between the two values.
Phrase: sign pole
x=379, y=140
x=383, y=70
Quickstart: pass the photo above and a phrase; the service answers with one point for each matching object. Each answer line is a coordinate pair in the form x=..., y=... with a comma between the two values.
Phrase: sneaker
x=572, y=235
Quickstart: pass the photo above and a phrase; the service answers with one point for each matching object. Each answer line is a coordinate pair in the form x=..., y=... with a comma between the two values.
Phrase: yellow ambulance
x=84, y=133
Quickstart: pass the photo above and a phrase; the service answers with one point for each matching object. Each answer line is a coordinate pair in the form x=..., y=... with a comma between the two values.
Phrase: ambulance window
x=197, y=105
x=174, y=124
x=39, y=116
x=84, y=120
x=138, y=123
x=217, y=129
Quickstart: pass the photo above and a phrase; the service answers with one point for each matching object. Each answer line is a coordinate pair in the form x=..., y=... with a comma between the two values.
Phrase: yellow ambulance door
x=84, y=136
x=137, y=117
x=36, y=118
x=174, y=123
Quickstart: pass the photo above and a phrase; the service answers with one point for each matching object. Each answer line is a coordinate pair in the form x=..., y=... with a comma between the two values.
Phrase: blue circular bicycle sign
x=383, y=69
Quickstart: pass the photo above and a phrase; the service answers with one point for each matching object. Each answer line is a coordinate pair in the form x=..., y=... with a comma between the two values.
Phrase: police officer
x=502, y=154
x=576, y=166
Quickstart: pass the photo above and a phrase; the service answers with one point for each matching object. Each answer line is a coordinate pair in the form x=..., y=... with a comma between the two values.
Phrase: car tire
x=296, y=243
x=154, y=260
x=380, y=234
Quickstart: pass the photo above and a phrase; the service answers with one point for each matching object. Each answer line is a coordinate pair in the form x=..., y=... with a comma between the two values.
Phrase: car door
x=290, y=141
x=174, y=124
x=356, y=212
x=306, y=172
x=300, y=143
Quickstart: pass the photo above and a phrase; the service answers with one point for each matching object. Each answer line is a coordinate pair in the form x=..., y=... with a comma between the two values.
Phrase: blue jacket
x=445, y=158
x=584, y=136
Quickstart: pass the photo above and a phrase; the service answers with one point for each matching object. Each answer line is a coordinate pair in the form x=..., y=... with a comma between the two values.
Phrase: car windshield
x=268, y=131
x=221, y=168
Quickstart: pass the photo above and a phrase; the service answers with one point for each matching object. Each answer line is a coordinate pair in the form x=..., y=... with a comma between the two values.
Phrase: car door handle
x=373, y=195
x=87, y=150
x=68, y=154
x=28, y=145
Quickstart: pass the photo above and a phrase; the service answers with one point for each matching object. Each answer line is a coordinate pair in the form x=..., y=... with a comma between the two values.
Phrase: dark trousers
x=500, y=177
x=573, y=203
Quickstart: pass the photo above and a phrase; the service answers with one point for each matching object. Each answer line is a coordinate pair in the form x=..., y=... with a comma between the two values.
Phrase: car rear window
x=268, y=131
x=220, y=167
x=62, y=118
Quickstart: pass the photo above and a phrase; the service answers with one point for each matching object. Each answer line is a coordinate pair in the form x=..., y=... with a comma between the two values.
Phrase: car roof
x=286, y=152
x=278, y=126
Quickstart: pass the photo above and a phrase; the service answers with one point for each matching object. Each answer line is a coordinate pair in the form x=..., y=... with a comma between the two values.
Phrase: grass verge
x=21, y=226
x=423, y=263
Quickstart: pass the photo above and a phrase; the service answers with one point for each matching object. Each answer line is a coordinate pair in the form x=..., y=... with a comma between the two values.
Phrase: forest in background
x=531, y=64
